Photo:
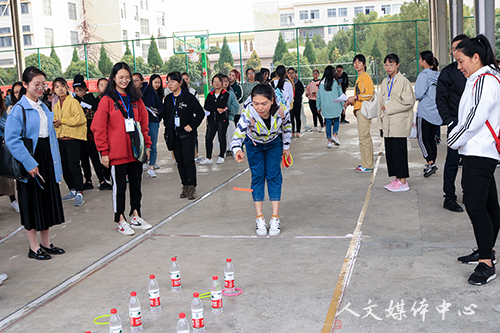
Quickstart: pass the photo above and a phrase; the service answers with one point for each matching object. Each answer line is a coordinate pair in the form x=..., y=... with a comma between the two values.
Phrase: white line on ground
x=11, y=234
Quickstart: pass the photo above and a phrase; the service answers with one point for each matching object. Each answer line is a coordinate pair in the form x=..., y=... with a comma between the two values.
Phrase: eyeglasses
x=41, y=86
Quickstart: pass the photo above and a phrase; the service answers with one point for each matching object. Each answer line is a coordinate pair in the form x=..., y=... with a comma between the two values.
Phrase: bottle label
x=217, y=299
x=175, y=277
x=154, y=298
x=229, y=280
x=135, y=318
x=198, y=320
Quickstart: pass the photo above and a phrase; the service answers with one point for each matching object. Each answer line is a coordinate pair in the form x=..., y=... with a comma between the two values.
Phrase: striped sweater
x=252, y=126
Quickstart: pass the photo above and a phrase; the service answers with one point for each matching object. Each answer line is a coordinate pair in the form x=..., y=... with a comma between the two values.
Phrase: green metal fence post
x=298, y=53
x=355, y=44
x=39, y=61
x=241, y=58
x=133, y=54
x=86, y=60
x=416, y=45
x=187, y=63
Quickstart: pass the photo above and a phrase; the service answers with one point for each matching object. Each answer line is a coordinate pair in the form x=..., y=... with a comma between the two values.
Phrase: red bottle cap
x=174, y=259
x=133, y=294
x=196, y=295
x=152, y=276
x=113, y=311
x=182, y=315
x=228, y=259
x=215, y=277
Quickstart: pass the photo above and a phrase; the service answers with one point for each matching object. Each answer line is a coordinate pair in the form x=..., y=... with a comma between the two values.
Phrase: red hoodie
x=110, y=136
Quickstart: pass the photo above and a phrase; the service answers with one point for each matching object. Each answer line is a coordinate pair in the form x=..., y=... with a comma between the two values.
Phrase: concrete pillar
x=456, y=18
x=484, y=19
x=438, y=14
x=16, y=32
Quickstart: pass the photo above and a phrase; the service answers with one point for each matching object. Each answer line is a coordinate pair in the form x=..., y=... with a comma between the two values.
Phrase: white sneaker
x=198, y=159
x=3, y=277
x=261, y=228
x=335, y=140
x=139, y=223
x=321, y=129
x=329, y=144
x=125, y=229
x=275, y=226
x=15, y=205
x=151, y=173
x=315, y=129
x=206, y=161
x=220, y=160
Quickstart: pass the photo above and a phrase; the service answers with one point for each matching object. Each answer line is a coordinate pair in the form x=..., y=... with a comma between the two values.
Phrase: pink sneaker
x=399, y=187
x=391, y=184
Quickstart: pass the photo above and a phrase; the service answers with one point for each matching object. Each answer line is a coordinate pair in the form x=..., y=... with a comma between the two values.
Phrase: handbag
x=9, y=166
x=136, y=138
x=413, y=133
x=369, y=108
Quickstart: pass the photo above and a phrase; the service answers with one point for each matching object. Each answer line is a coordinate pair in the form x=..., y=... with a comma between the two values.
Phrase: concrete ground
x=406, y=257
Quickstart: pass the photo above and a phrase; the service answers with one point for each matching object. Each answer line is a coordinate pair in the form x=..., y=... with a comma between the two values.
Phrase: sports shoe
x=79, y=201
x=139, y=223
x=151, y=173
x=88, y=185
x=3, y=277
x=275, y=226
x=297, y=135
x=69, y=197
x=125, y=229
x=315, y=129
x=261, y=228
x=429, y=170
x=482, y=274
x=398, y=187
x=391, y=184
x=335, y=140
x=206, y=161
x=344, y=122
x=105, y=186
x=220, y=160
x=321, y=129
x=198, y=159
x=473, y=258
x=362, y=169
x=308, y=128
x=329, y=144
x=452, y=205
x=15, y=205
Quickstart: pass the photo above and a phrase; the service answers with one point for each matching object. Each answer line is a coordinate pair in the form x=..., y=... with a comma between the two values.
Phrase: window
x=342, y=12
x=49, y=37
x=6, y=41
x=47, y=8
x=74, y=37
x=312, y=32
x=369, y=9
x=162, y=43
x=286, y=19
x=4, y=10
x=333, y=30
x=123, y=11
x=288, y=35
x=145, y=27
x=124, y=36
x=314, y=14
x=145, y=50
x=142, y=4
x=5, y=62
x=72, y=11
x=160, y=18
x=358, y=10
x=26, y=28
x=5, y=30
x=136, y=16
x=386, y=9
x=304, y=15
x=137, y=37
x=396, y=8
x=25, y=8
x=27, y=40
x=145, y=4
x=332, y=12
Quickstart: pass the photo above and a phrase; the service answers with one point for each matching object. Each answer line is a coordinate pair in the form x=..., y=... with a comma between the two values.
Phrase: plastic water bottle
x=197, y=314
x=182, y=324
x=154, y=294
x=216, y=293
x=175, y=275
x=229, y=276
x=115, y=323
x=134, y=312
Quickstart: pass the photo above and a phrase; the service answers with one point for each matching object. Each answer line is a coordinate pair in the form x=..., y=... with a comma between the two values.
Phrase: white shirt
x=44, y=126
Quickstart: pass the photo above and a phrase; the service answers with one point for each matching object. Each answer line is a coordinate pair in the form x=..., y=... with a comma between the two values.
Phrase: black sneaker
x=473, y=258
x=482, y=274
x=344, y=121
x=105, y=186
x=452, y=205
x=430, y=169
x=88, y=186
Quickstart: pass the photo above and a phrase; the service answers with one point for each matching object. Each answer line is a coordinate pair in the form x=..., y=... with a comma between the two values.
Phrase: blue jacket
x=3, y=120
x=324, y=100
x=425, y=93
x=151, y=100
x=13, y=135
x=233, y=105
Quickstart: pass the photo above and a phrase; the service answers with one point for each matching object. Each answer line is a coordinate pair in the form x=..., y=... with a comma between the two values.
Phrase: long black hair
x=480, y=45
x=159, y=91
x=62, y=81
x=428, y=57
x=177, y=76
x=22, y=91
x=281, y=73
x=361, y=58
x=131, y=90
x=263, y=89
x=329, y=75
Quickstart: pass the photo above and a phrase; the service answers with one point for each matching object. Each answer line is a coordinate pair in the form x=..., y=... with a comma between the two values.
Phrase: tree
x=54, y=56
x=254, y=62
x=75, y=56
x=225, y=55
x=309, y=51
x=105, y=65
x=223, y=69
x=280, y=49
x=214, y=50
x=293, y=43
x=127, y=51
x=335, y=55
x=47, y=64
x=80, y=68
x=177, y=62
x=290, y=60
x=154, y=58
x=318, y=41
x=141, y=66
x=8, y=76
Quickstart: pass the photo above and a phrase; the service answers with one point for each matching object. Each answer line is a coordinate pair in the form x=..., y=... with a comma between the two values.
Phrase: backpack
x=280, y=96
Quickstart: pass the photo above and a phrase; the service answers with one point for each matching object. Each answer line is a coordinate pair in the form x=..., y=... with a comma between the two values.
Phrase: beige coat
x=397, y=118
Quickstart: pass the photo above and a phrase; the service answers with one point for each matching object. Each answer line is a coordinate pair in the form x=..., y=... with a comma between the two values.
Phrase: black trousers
x=213, y=127
x=342, y=115
x=396, y=156
x=295, y=114
x=316, y=115
x=450, y=172
x=426, y=135
x=119, y=173
x=70, y=162
x=184, y=156
x=481, y=201
x=89, y=150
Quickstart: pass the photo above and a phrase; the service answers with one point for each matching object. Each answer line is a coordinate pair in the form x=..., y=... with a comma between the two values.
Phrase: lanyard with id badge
x=389, y=89
x=129, y=122
x=177, y=119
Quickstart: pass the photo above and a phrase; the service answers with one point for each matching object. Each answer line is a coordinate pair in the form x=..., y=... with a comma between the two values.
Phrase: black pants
x=450, y=172
x=89, y=150
x=120, y=172
x=481, y=201
x=70, y=162
x=396, y=156
x=213, y=127
x=184, y=156
x=295, y=114
x=426, y=134
x=342, y=116
x=316, y=115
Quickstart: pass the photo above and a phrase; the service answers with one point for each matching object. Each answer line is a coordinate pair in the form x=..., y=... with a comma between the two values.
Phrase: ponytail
x=429, y=58
x=480, y=45
x=281, y=72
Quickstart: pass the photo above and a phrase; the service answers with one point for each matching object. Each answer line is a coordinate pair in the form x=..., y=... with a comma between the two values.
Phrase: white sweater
x=480, y=102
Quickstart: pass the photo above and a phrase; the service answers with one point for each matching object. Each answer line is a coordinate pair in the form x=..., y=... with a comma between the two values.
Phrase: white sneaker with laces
x=206, y=161
x=139, y=223
x=198, y=159
x=335, y=140
x=125, y=229
x=220, y=160
x=151, y=173
x=321, y=129
x=329, y=144
x=261, y=228
x=275, y=226
x=3, y=277
x=15, y=205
